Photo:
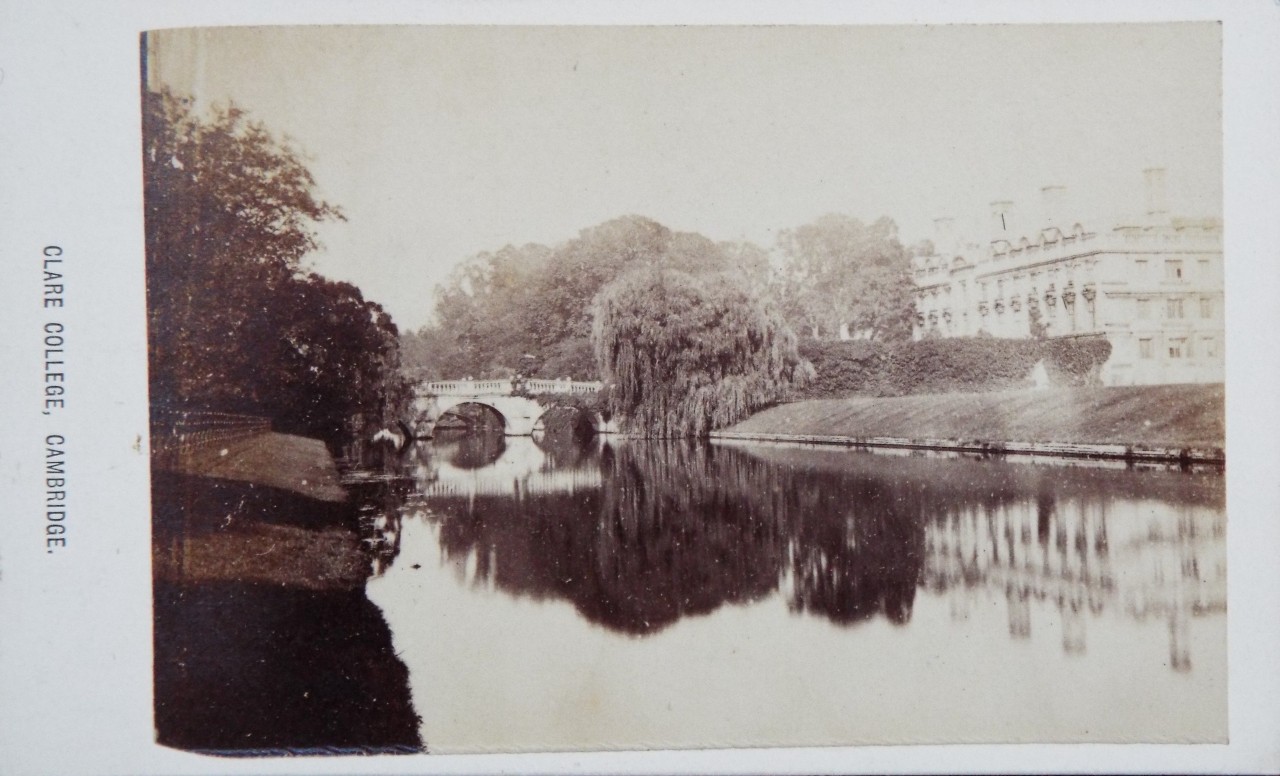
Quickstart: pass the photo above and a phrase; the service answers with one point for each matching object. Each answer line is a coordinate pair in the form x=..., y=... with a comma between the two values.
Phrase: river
x=552, y=595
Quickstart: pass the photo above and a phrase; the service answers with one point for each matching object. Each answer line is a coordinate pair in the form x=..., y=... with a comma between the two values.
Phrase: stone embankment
x=1165, y=423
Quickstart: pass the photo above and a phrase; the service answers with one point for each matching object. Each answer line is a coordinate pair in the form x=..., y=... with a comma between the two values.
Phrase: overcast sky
x=441, y=142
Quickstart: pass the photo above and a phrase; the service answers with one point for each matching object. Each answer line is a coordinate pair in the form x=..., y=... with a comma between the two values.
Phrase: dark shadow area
x=192, y=503
x=245, y=667
x=265, y=642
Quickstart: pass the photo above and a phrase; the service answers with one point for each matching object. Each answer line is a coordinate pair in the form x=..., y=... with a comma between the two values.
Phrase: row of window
x=1178, y=269
x=1179, y=347
x=1174, y=307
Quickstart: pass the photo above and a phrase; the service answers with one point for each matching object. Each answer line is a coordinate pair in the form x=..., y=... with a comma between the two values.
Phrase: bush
x=854, y=366
x=945, y=365
x=1076, y=361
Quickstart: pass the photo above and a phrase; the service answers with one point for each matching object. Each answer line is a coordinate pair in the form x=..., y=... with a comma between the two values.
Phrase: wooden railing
x=178, y=433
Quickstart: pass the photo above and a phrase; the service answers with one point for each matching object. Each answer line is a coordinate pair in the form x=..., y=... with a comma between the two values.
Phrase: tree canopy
x=235, y=321
x=687, y=354
x=530, y=307
x=843, y=276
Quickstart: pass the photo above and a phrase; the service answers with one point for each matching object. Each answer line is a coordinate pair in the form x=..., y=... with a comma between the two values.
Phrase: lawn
x=1175, y=416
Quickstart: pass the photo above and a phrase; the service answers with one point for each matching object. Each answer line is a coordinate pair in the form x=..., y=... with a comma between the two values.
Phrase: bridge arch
x=517, y=412
x=446, y=404
x=510, y=398
x=591, y=418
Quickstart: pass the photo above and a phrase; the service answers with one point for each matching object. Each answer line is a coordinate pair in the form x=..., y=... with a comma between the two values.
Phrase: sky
x=442, y=142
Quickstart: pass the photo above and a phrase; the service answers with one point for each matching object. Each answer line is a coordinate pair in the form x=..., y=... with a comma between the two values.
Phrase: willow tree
x=686, y=354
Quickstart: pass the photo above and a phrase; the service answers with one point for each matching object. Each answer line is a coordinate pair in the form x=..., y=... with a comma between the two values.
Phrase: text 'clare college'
x=55, y=389
x=54, y=332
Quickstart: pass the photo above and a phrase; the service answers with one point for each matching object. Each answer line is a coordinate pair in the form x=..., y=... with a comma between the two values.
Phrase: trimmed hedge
x=961, y=364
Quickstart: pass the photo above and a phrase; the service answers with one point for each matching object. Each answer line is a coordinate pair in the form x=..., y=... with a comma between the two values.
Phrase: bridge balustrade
x=561, y=386
x=506, y=387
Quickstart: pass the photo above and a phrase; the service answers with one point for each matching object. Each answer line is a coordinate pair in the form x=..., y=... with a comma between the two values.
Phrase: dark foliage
x=235, y=321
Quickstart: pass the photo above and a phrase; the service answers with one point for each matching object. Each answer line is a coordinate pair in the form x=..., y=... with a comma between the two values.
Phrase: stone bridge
x=509, y=397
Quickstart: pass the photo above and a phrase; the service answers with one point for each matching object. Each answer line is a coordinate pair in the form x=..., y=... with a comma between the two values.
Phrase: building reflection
x=639, y=534
x=1082, y=556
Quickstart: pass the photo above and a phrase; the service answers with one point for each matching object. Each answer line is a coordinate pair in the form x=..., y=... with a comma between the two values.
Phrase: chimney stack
x=1002, y=220
x=1052, y=198
x=1156, y=207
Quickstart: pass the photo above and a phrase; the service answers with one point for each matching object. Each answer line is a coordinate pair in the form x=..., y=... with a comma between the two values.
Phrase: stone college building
x=1151, y=285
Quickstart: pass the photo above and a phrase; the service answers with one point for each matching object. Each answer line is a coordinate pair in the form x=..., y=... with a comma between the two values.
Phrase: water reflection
x=639, y=534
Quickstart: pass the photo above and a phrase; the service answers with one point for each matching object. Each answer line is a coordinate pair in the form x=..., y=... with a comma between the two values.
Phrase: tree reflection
x=860, y=555
x=681, y=532
x=672, y=532
x=638, y=534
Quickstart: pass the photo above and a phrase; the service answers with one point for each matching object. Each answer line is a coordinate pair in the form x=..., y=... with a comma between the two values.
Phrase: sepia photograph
x=543, y=389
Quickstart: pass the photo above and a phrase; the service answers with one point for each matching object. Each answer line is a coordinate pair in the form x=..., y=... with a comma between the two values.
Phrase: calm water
x=620, y=593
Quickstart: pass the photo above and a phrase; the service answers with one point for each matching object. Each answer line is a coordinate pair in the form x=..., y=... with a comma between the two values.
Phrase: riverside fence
x=178, y=433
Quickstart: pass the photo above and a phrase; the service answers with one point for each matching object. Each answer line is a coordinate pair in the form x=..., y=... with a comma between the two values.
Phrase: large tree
x=530, y=307
x=843, y=276
x=481, y=318
x=235, y=321
x=687, y=354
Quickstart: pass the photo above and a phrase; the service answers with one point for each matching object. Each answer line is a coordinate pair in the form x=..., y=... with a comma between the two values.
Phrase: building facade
x=1151, y=285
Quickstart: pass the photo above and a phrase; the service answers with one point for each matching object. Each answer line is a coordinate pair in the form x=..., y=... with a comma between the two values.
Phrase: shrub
x=854, y=366
x=1076, y=361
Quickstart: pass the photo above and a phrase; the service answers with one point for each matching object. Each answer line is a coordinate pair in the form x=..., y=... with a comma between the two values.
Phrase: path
x=293, y=463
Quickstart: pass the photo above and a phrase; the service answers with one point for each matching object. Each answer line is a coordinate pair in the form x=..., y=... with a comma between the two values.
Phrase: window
x=1204, y=269
x=1173, y=308
x=1173, y=269
x=1144, y=347
x=1206, y=307
x=1144, y=307
x=1209, y=347
x=1178, y=347
x=1141, y=266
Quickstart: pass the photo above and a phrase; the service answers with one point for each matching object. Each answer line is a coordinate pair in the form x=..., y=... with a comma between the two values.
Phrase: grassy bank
x=1174, y=416
x=207, y=530
x=265, y=642
x=280, y=461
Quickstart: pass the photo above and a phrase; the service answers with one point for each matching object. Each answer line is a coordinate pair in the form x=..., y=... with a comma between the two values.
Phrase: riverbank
x=284, y=462
x=1158, y=422
x=265, y=641
x=208, y=530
